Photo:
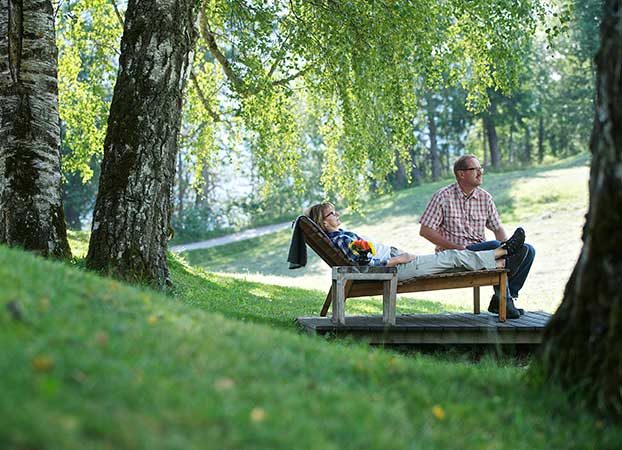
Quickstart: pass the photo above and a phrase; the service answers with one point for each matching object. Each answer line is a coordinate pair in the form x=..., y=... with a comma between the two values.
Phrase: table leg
x=503, y=283
x=389, y=301
x=339, y=314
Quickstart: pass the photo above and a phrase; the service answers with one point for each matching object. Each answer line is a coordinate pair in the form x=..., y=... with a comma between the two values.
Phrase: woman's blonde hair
x=316, y=213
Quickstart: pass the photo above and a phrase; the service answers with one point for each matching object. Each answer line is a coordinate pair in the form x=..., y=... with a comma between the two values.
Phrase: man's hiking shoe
x=516, y=241
x=513, y=261
x=493, y=307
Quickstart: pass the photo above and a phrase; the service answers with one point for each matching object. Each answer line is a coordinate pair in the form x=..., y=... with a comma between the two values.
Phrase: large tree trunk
x=132, y=212
x=31, y=209
x=583, y=342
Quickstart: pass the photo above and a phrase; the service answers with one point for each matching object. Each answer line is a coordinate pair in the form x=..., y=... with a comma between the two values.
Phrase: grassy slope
x=549, y=201
x=96, y=364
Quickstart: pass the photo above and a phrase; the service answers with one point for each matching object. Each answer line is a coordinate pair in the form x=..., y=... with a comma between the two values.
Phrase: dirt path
x=228, y=239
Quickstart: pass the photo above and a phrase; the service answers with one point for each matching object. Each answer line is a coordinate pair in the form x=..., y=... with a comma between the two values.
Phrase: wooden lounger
x=332, y=255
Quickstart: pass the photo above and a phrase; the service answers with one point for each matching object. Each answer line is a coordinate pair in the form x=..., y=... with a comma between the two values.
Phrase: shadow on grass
x=520, y=355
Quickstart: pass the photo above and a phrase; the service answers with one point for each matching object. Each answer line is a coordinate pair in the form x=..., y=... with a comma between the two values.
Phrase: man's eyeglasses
x=479, y=169
x=332, y=213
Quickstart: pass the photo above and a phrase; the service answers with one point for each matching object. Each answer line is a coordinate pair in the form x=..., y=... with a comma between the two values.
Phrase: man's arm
x=500, y=234
x=437, y=238
x=493, y=222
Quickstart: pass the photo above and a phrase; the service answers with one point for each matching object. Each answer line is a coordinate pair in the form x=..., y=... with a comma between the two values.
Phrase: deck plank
x=448, y=328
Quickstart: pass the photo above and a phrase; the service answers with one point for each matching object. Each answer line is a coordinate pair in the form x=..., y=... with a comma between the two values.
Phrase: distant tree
x=31, y=209
x=490, y=132
x=132, y=212
x=582, y=346
x=435, y=156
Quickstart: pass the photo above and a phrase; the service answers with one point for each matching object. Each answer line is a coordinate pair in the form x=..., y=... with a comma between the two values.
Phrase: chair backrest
x=321, y=244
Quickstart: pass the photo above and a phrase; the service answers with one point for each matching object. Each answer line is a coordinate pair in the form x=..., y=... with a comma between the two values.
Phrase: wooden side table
x=344, y=276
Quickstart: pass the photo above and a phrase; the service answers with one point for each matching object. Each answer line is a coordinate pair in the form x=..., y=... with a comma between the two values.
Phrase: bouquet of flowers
x=361, y=246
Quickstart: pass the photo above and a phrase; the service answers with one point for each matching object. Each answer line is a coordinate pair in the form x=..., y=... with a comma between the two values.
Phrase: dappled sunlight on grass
x=267, y=303
x=548, y=193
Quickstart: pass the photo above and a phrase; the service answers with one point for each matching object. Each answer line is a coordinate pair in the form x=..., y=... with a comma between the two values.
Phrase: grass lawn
x=92, y=363
x=549, y=202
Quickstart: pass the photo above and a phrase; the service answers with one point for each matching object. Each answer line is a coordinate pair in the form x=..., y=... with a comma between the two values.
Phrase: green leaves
x=267, y=74
x=88, y=35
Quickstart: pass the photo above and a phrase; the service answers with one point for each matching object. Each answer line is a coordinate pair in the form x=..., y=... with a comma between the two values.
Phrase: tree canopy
x=351, y=67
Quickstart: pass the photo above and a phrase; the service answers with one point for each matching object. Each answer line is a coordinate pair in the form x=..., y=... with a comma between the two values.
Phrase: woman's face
x=331, y=219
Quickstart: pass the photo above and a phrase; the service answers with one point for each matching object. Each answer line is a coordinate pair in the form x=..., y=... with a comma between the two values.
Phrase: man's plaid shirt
x=459, y=218
x=343, y=238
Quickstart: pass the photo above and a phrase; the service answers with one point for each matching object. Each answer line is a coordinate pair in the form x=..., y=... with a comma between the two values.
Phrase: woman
x=510, y=254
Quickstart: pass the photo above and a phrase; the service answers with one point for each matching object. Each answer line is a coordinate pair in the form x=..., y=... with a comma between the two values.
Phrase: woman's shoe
x=515, y=242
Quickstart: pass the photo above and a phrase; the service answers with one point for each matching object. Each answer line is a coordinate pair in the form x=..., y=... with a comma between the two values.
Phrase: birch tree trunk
x=31, y=208
x=582, y=346
x=133, y=207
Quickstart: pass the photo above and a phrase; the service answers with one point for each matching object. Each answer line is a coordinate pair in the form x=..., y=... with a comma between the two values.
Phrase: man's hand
x=437, y=239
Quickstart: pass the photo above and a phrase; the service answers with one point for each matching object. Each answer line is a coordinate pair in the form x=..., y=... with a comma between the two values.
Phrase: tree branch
x=117, y=12
x=58, y=7
x=280, y=55
x=286, y=80
x=208, y=35
x=213, y=114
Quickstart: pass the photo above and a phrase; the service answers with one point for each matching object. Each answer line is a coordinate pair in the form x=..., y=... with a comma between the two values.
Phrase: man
x=456, y=218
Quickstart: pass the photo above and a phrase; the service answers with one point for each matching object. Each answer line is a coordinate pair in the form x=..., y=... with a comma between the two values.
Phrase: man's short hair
x=461, y=163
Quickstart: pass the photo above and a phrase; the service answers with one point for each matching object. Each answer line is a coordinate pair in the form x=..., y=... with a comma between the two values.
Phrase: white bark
x=31, y=212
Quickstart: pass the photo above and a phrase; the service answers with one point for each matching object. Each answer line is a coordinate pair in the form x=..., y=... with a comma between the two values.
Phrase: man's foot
x=516, y=241
x=513, y=261
x=493, y=307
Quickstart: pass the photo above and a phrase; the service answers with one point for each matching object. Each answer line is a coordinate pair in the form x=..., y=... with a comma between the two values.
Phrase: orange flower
x=362, y=246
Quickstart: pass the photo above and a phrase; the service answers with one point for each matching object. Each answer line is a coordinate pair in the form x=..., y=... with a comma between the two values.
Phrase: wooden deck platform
x=450, y=328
